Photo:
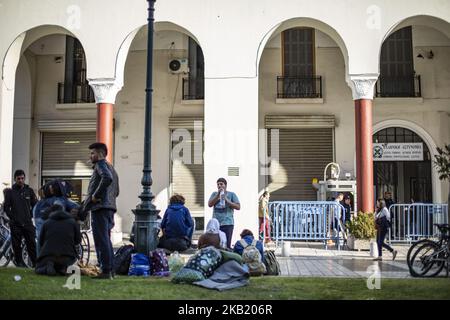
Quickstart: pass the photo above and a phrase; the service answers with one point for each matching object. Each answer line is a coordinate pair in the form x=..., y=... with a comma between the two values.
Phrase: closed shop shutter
x=66, y=153
x=187, y=178
x=303, y=155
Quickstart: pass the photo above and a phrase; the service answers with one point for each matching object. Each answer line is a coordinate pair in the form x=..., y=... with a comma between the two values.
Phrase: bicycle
x=427, y=258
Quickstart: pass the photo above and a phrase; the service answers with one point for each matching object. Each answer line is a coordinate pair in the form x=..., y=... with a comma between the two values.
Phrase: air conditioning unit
x=178, y=66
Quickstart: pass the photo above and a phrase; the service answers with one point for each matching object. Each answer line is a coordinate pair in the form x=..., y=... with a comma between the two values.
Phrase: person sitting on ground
x=213, y=236
x=248, y=237
x=177, y=226
x=52, y=192
x=59, y=239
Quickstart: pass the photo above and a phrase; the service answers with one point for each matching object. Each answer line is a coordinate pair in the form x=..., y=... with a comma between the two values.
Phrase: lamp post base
x=146, y=230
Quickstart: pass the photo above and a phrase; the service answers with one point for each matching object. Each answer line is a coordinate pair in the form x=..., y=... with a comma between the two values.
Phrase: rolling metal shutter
x=304, y=151
x=187, y=179
x=66, y=153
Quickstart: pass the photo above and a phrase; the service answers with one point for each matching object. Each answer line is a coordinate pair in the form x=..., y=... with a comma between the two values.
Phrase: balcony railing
x=398, y=87
x=299, y=87
x=75, y=93
x=193, y=89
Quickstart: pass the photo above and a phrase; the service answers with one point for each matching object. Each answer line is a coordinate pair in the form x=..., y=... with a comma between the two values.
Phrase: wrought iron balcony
x=398, y=87
x=299, y=87
x=75, y=93
x=193, y=89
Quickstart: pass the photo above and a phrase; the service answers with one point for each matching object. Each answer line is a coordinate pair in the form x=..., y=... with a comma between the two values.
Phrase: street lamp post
x=145, y=224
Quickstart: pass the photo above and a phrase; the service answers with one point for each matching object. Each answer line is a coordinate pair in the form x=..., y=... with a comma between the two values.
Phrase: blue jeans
x=38, y=223
x=102, y=223
x=381, y=235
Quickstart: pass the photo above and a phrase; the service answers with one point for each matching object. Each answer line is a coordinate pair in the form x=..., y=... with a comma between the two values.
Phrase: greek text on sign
x=398, y=151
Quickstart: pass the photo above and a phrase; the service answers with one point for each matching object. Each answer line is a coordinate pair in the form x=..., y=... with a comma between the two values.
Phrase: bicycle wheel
x=25, y=256
x=84, y=249
x=413, y=249
x=5, y=257
x=423, y=260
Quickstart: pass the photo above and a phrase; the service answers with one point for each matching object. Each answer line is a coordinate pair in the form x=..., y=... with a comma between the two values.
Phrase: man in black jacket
x=60, y=236
x=103, y=190
x=18, y=205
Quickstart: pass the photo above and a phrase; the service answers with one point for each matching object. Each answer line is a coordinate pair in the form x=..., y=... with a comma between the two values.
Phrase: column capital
x=362, y=85
x=105, y=90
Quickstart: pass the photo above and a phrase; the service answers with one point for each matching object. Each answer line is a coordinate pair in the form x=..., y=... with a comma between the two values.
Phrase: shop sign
x=398, y=151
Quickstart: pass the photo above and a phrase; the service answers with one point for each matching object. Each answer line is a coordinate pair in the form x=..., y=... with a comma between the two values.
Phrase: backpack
x=271, y=263
x=159, y=263
x=140, y=265
x=252, y=258
x=122, y=259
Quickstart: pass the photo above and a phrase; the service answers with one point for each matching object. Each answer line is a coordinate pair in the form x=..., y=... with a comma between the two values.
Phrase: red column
x=364, y=155
x=358, y=153
x=105, y=114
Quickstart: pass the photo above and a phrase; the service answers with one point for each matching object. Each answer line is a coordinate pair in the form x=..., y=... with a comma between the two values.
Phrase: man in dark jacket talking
x=103, y=190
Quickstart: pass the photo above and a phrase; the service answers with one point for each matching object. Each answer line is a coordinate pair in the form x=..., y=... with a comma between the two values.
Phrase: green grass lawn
x=33, y=286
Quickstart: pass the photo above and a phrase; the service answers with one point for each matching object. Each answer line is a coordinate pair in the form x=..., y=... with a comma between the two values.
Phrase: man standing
x=103, y=190
x=18, y=205
x=224, y=202
x=388, y=199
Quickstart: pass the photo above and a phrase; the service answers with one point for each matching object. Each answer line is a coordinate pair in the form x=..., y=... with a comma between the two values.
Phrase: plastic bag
x=176, y=262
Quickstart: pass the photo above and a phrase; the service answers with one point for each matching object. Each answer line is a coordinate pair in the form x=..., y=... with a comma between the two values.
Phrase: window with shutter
x=298, y=63
x=396, y=65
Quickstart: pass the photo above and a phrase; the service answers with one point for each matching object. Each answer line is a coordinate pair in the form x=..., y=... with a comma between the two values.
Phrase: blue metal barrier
x=301, y=220
x=414, y=221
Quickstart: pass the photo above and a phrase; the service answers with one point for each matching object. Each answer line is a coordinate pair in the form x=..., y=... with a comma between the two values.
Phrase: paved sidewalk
x=312, y=260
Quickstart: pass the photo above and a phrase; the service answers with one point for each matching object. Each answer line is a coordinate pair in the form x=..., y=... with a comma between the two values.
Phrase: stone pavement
x=312, y=260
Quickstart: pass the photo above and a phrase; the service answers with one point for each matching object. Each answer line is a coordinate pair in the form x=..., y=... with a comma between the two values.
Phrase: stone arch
x=436, y=23
x=122, y=54
x=426, y=137
x=303, y=22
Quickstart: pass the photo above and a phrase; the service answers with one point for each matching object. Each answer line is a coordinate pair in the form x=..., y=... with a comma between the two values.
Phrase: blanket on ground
x=227, y=276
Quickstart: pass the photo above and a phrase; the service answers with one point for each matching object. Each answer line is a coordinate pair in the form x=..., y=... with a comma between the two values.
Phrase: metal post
x=146, y=228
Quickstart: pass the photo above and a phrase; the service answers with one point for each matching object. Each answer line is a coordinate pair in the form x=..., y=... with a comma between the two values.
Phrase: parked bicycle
x=427, y=258
x=6, y=252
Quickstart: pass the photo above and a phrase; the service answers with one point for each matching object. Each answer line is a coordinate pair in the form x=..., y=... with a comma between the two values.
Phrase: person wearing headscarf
x=213, y=236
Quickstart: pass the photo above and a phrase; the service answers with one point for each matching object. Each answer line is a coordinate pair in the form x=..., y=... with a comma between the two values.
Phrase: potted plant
x=442, y=164
x=361, y=230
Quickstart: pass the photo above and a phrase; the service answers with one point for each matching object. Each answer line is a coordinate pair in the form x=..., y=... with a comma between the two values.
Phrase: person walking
x=382, y=222
x=101, y=197
x=264, y=217
x=18, y=205
x=224, y=203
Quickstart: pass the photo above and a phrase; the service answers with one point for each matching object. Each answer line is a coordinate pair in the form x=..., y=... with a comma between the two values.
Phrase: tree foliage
x=442, y=162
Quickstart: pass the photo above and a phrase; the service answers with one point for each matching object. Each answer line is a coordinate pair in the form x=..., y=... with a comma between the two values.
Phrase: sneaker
x=107, y=275
x=51, y=269
x=378, y=259
x=394, y=254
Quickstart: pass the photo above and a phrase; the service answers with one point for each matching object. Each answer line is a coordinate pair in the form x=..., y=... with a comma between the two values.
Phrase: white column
x=231, y=140
x=7, y=83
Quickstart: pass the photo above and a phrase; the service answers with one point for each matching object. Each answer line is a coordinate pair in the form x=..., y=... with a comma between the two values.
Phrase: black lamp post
x=146, y=230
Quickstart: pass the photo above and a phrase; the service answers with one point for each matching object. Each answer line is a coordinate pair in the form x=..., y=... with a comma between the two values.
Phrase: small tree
x=442, y=164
